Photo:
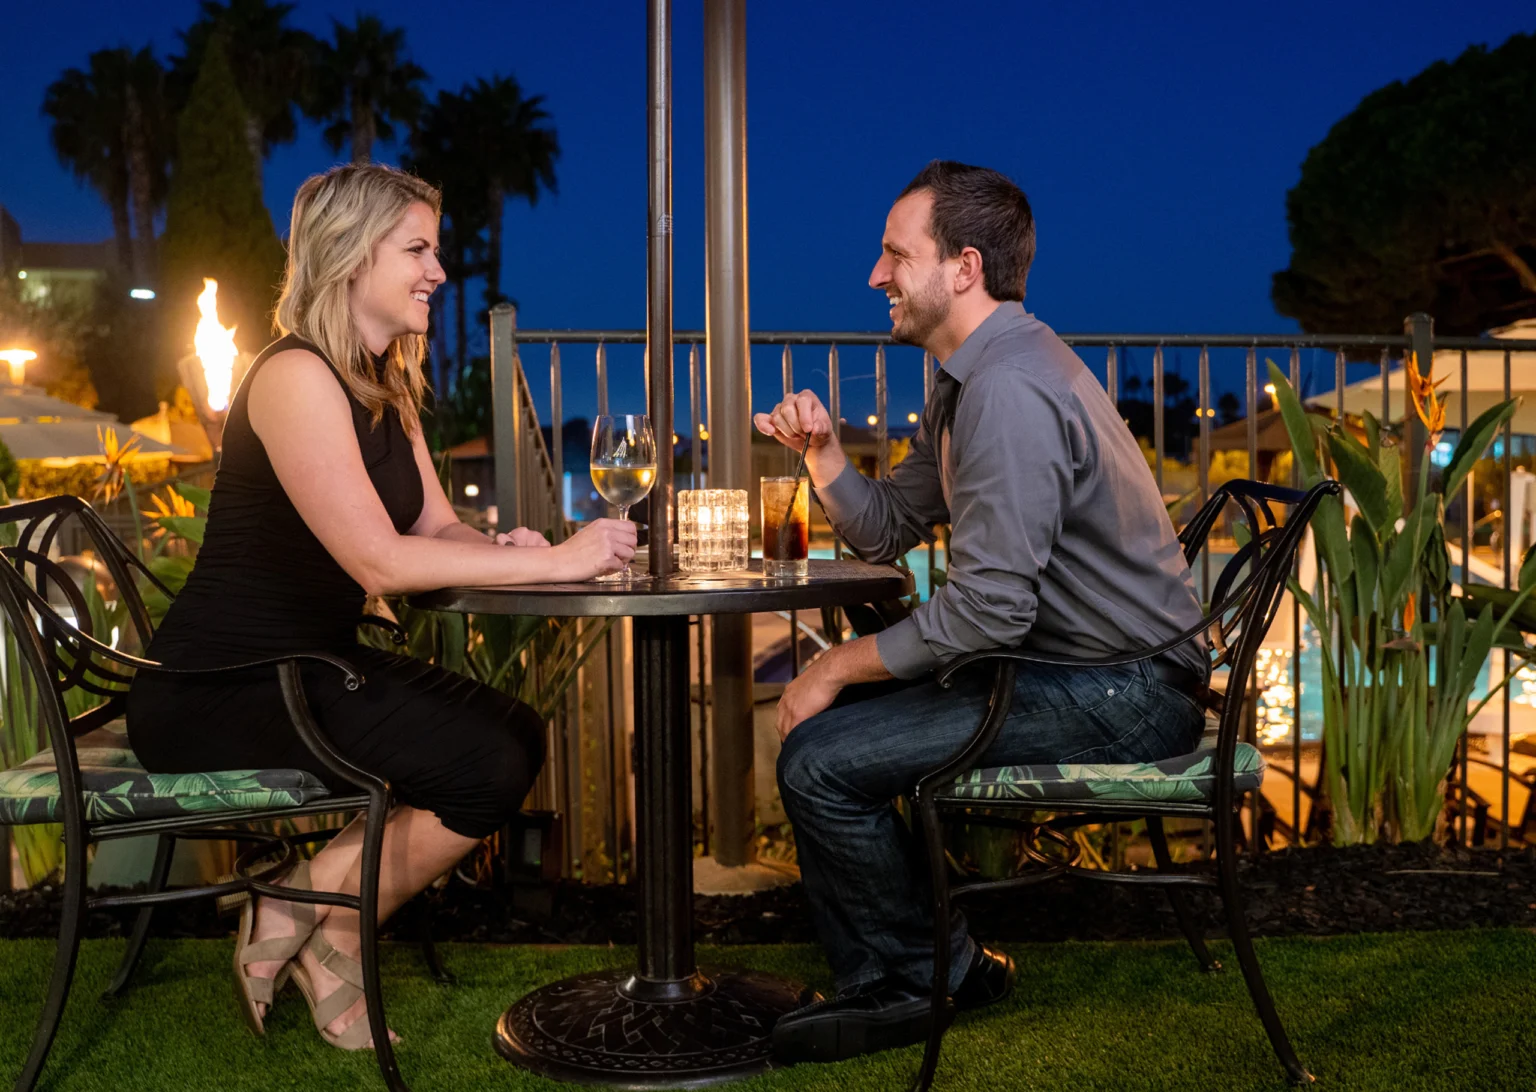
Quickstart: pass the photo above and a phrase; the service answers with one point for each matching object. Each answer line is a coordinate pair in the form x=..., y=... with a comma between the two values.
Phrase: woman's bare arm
x=300, y=412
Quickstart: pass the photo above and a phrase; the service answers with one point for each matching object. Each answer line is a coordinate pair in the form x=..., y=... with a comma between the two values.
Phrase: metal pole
x=730, y=403
x=659, y=279
x=506, y=417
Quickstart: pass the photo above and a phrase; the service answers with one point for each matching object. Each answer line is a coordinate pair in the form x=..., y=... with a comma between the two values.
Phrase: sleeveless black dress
x=263, y=586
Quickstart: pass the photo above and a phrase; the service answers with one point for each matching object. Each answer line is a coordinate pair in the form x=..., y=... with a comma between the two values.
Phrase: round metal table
x=668, y=1023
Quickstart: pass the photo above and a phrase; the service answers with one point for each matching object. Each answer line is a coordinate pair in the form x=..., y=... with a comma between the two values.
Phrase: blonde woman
x=326, y=493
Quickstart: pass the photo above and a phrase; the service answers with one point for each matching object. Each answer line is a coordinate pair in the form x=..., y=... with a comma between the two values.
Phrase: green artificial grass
x=1381, y=1012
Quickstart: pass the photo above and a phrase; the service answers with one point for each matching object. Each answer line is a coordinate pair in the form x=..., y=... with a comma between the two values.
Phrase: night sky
x=1155, y=141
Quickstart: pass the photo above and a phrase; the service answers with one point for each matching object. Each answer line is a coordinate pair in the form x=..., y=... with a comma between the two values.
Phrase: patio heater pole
x=733, y=793
x=658, y=316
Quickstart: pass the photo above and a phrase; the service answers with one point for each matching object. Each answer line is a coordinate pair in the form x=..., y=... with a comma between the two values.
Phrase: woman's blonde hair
x=338, y=219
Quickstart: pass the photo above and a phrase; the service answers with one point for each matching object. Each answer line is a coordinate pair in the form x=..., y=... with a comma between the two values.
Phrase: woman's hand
x=521, y=536
x=602, y=546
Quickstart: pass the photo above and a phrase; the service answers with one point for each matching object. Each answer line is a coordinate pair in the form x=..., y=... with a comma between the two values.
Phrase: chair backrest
x=63, y=625
x=1251, y=585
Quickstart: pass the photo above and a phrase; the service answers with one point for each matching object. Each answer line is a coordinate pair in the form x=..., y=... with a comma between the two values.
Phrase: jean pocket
x=1091, y=688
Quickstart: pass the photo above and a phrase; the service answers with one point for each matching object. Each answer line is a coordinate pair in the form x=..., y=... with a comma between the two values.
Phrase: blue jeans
x=840, y=771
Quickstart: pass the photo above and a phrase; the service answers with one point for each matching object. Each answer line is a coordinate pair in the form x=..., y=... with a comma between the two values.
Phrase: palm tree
x=112, y=130
x=271, y=61
x=364, y=85
x=443, y=152
x=516, y=157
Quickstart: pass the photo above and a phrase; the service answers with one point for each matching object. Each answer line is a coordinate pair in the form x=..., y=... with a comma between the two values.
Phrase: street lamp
x=17, y=359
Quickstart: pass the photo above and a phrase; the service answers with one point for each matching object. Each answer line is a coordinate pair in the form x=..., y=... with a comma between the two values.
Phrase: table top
x=829, y=584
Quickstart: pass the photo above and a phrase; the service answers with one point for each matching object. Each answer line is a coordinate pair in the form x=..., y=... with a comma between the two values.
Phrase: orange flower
x=1426, y=397
x=115, y=455
x=1408, y=616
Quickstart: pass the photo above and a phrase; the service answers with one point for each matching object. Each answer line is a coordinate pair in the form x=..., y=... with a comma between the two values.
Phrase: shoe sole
x=836, y=1038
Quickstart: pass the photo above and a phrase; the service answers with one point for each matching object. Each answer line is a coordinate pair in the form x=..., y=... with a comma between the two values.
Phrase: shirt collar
x=962, y=362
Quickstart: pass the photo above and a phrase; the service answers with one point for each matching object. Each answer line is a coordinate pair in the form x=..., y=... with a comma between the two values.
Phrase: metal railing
x=1341, y=351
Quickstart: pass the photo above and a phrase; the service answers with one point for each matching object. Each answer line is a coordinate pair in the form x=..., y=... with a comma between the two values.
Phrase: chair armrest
x=396, y=631
x=985, y=734
x=353, y=678
x=945, y=675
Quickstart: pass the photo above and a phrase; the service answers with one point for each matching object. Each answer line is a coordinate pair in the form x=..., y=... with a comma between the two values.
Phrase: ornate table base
x=589, y=1030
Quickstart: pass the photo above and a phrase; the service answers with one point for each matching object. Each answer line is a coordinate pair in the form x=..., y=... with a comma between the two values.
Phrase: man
x=1059, y=543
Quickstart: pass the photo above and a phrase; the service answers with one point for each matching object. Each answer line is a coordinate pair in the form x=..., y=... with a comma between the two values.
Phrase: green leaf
x=1361, y=477
x=1473, y=442
x=1372, y=436
x=190, y=528
x=1297, y=427
x=195, y=495
x=1527, y=568
x=1389, y=461
x=1362, y=541
x=1483, y=596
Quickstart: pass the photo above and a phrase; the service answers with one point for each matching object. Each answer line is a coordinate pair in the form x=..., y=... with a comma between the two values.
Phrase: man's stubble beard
x=925, y=312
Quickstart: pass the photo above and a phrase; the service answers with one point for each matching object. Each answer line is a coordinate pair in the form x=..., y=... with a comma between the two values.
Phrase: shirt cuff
x=904, y=652
x=845, y=495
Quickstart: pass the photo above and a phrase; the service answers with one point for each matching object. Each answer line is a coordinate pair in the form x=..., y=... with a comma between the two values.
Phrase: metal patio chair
x=91, y=782
x=1207, y=784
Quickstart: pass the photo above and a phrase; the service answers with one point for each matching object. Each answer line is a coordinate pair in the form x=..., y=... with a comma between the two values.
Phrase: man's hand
x=795, y=418
x=806, y=696
x=521, y=536
x=819, y=684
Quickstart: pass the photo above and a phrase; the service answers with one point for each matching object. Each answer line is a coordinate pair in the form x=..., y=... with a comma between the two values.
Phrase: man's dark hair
x=978, y=207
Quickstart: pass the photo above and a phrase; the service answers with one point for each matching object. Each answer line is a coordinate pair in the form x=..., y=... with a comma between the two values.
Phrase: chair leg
x=440, y=974
x=1176, y=897
x=64, y=956
x=1237, y=929
x=158, y=875
x=368, y=930
x=927, y=817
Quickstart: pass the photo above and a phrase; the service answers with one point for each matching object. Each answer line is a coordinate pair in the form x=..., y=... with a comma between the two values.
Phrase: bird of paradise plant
x=1383, y=606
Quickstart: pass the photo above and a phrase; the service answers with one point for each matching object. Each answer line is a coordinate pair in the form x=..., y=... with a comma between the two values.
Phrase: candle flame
x=215, y=346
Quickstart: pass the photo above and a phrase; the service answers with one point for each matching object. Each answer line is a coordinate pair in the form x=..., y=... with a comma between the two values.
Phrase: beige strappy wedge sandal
x=251, y=991
x=357, y=1035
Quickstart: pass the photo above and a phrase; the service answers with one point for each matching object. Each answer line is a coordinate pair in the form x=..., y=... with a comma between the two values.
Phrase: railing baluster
x=882, y=432
x=1157, y=415
x=602, y=379
x=557, y=437
x=695, y=419
x=1112, y=376
x=794, y=616
x=1295, y=639
x=1509, y=537
x=1251, y=721
x=835, y=411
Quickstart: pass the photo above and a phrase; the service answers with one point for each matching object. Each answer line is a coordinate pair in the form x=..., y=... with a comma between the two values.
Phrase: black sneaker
x=989, y=980
x=883, y=1017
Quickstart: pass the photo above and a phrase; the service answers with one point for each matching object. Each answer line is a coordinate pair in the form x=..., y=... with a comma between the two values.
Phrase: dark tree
x=271, y=62
x=216, y=224
x=364, y=85
x=1422, y=199
x=516, y=157
x=110, y=127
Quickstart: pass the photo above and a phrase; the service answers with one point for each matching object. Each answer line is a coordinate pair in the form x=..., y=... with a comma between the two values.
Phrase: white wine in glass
x=623, y=466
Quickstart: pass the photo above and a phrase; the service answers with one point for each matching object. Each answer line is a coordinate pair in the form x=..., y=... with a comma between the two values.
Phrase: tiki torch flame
x=215, y=346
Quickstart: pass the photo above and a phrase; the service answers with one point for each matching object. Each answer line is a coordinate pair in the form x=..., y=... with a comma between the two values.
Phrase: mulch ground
x=1313, y=891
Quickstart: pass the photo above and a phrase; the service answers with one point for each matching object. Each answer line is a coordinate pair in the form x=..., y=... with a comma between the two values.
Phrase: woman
x=326, y=493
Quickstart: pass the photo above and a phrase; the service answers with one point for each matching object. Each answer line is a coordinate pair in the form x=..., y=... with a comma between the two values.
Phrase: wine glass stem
x=624, y=515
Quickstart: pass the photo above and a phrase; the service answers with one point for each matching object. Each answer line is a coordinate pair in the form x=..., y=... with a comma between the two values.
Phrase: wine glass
x=623, y=466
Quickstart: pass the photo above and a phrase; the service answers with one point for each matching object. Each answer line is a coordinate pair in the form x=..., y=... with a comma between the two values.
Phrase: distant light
x=703, y=433
x=674, y=439
x=871, y=418
x=1269, y=388
x=471, y=490
x=1441, y=455
x=21, y=274
x=911, y=418
x=142, y=293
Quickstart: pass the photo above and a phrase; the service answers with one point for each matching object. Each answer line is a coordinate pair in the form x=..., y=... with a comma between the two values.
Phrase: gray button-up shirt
x=1059, y=540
